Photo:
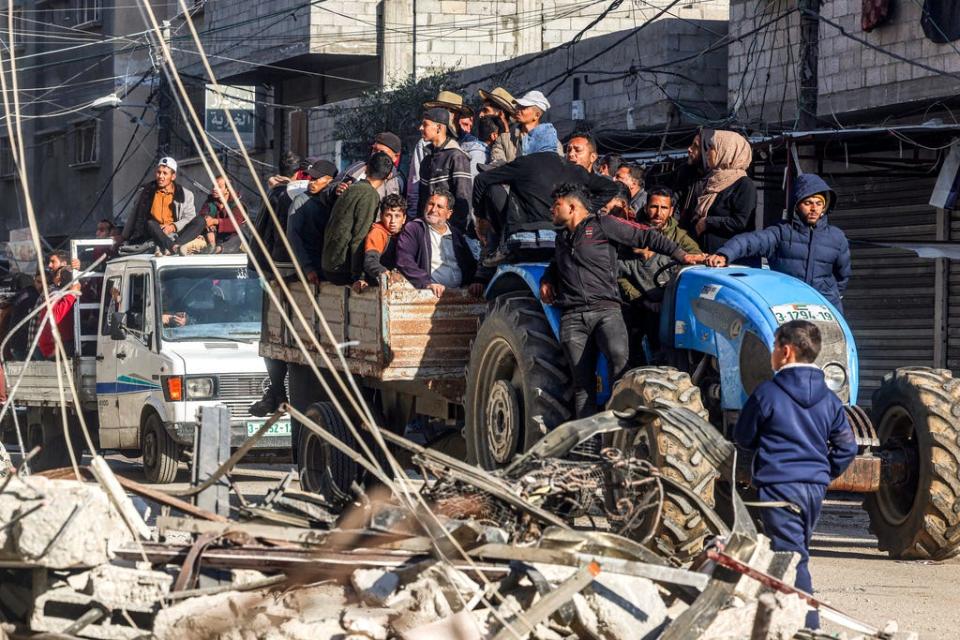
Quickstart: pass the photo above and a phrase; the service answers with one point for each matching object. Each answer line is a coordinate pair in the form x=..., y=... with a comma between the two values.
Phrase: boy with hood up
x=802, y=440
x=806, y=247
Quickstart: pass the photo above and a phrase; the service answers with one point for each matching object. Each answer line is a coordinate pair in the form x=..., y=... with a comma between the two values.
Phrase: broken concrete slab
x=374, y=586
x=736, y=622
x=59, y=524
x=368, y=623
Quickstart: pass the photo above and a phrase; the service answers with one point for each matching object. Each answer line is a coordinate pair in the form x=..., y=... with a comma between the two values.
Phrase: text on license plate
x=279, y=428
x=812, y=312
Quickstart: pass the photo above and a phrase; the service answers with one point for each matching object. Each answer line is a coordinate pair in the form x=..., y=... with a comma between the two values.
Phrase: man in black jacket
x=280, y=200
x=308, y=217
x=446, y=166
x=582, y=281
x=532, y=180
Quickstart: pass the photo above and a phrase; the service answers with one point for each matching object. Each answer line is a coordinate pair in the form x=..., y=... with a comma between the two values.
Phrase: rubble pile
x=555, y=546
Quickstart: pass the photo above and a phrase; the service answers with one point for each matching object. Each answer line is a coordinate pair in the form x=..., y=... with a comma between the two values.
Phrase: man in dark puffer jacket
x=807, y=247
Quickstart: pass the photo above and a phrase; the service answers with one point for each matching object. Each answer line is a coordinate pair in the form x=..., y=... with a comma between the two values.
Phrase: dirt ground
x=853, y=576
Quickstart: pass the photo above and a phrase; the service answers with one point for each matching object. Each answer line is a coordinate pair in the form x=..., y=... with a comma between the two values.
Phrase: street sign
x=240, y=101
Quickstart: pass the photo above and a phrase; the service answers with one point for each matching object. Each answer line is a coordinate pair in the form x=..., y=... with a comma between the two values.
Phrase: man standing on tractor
x=806, y=247
x=582, y=281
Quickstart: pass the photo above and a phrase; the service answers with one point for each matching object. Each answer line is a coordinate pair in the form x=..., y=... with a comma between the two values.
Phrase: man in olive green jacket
x=637, y=272
x=350, y=221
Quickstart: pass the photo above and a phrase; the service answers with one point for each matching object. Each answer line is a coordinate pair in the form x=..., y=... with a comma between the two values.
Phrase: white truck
x=155, y=339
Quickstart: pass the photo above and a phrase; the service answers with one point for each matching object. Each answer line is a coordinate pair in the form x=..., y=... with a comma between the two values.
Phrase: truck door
x=107, y=403
x=88, y=307
x=137, y=375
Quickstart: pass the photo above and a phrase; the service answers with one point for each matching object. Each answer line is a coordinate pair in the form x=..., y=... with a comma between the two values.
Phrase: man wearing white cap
x=164, y=213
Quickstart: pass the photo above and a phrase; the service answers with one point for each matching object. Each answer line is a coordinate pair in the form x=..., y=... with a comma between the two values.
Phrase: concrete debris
x=58, y=524
x=503, y=555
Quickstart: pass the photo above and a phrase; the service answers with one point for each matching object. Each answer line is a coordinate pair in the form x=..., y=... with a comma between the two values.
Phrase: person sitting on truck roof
x=164, y=213
x=801, y=439
x=433, y=254
x=581, y=280
x=221, y=233
x=307, y=219
x=806, y=247
x=638, y=270
x=380, y=245
x=350, y=220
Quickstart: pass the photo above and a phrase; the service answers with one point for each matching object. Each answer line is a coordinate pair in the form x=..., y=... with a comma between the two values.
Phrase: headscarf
x=734, y=156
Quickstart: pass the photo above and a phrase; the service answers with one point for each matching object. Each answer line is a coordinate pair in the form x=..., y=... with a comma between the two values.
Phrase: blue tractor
x=717, y=330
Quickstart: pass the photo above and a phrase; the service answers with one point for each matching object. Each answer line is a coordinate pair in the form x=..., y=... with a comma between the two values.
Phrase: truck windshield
x=209, y=303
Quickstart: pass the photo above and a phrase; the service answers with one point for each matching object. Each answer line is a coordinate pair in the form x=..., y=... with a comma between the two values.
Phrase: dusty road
x=853, y=576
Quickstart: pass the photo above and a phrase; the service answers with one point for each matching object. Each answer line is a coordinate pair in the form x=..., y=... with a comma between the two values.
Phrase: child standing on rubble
x=799, y=432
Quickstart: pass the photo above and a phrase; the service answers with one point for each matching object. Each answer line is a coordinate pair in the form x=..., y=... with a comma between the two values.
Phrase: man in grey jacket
x=164, y=213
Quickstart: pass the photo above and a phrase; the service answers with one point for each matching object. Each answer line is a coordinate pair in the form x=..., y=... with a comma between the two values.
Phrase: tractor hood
x=732, y=313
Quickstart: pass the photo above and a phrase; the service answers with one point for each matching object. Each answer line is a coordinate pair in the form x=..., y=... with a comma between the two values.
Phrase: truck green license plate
x=279, y=428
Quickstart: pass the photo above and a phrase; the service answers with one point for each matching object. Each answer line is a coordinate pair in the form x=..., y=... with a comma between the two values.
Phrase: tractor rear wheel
x=518, y=382
x=914, y=513
x=682, y=529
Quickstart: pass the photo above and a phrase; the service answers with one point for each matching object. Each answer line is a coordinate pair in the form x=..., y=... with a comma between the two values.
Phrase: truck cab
x=155, y=339
x=176, y=334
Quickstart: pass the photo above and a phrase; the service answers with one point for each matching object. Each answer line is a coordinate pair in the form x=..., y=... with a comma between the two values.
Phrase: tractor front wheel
x=914, y=513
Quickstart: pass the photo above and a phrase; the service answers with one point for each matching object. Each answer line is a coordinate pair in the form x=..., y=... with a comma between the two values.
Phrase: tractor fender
x=524, y=277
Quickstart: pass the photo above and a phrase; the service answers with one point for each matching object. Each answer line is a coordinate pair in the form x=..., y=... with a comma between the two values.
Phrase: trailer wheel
x=53, y=445
x=517, y=377
x=914, y=513
x=682, y=529
x=324, y=469
x=161, y=455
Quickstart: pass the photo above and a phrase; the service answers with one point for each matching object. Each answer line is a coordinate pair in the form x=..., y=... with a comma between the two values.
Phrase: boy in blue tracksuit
x=799, y=431
x=806, y=247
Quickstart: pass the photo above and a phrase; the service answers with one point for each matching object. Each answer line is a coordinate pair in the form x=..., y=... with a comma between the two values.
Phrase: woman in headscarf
x=726, y=197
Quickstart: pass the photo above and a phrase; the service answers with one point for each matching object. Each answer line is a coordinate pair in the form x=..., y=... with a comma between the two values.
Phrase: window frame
x=83, y=7
x=76, y=137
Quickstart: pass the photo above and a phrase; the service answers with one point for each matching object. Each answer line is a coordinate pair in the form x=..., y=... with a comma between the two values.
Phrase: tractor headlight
x=199, y=388
x=835, y=376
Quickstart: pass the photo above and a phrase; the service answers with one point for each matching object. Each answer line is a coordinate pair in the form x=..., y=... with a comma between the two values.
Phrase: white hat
x=168, y=162
x=533, y=99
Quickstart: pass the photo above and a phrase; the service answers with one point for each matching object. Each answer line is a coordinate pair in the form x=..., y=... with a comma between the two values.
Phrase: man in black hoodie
x=582, y=281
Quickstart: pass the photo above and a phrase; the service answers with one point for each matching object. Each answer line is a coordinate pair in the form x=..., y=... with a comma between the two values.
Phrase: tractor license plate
x=279, y=428
x=812, y=312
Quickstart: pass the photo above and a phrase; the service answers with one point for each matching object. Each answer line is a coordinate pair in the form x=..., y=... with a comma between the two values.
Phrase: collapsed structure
x=570, y=540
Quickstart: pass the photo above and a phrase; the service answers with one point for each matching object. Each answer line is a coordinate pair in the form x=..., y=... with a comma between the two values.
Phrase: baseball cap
x=322, y=168
x=438, y=115
x=533, y=99
x=389, y=140
x=168, y=162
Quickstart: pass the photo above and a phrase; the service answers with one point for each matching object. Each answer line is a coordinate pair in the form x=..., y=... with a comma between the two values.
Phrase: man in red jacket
x=62, y=316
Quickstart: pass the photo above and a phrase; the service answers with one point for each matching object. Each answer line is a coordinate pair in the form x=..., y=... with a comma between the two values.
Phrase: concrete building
x=904, y=310
x=295, y=54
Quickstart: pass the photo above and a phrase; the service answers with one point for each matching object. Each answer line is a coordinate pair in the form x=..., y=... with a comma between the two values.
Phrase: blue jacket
x=818, y=255
x=797, y=427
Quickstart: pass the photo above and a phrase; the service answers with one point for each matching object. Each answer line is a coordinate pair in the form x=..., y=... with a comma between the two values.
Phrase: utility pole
x=809, y=55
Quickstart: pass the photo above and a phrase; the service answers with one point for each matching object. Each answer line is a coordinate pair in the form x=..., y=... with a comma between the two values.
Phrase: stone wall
x=763, y=81
x=640, y=101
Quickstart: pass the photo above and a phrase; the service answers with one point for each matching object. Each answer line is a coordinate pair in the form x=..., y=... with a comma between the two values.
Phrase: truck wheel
x=324, y=469
x=517, y=374
x=682, y=529
x=161, y=455
x=914, y=513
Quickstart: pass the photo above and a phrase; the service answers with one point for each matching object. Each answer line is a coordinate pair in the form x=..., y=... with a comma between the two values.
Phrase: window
x=86, y=142
x=111, y=303
x=87, y=12
x=137, y=293
x=7, y=166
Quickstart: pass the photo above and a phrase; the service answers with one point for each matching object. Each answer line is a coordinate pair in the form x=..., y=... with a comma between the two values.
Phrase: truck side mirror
x=117, y=329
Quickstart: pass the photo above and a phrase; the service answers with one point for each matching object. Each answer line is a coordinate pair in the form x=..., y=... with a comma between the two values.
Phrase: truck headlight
x=835, y=376
x=199, y=388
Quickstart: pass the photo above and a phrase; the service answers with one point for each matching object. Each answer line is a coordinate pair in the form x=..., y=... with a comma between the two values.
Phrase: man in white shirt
x=433, y=254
